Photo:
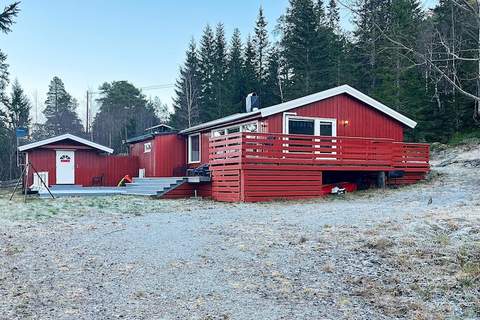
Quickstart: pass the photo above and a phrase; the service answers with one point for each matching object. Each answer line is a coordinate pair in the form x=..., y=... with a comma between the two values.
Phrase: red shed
x=71, y=160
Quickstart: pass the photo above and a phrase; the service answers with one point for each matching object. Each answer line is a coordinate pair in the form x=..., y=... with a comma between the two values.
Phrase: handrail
x=287, y=149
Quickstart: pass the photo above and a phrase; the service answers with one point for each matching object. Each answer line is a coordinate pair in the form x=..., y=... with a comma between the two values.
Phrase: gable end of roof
x=345, y=89
x=66, y=136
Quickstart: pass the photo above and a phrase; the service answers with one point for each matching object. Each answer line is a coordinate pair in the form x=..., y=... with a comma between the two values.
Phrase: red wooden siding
x=226, y=184
x=187, y=190
x=170, y=155
x=270, y=184
x=116, y=167
x=145, y=160
x=167, y=157
x=364, y=121
x=42, y=160
x=88, y=164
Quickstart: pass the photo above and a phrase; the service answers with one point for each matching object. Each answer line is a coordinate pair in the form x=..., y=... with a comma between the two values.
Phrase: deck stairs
x=152, y=186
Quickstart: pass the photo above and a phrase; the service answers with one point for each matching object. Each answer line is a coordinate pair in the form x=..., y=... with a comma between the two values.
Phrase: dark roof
x=62, y=137
x=148, y=136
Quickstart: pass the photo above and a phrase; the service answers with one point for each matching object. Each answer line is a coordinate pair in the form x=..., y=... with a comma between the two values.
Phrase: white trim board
x=335, y=92
x=282, y=107
x=189, y=151
x=65, y=137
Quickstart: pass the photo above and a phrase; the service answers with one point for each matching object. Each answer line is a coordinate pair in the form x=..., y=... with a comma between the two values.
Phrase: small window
x=326, y=128
x=297, y=126
x=233, y=130
x=218, y=133
x=250, y=127
x=194, y=148
x=147, y=147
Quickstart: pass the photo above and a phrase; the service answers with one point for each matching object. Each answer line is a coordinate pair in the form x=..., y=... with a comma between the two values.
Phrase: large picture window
x=194, y=148
x=310, y=126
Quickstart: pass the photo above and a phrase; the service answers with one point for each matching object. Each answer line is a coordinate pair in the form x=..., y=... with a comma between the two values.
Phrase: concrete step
x=65, y=186
x=155, y=180
x=151, y=186
x=140, y=193
x=154, y=191
x=136, y=184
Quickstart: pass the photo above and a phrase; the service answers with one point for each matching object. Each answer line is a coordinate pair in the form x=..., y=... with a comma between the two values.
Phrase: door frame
x=56, y=166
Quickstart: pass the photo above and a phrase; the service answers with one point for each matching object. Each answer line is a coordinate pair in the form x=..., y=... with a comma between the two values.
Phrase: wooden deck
x=264, y=166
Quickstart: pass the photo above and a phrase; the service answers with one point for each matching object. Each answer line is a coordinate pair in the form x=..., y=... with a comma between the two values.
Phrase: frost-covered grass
x=36, y=209
x=407, y=253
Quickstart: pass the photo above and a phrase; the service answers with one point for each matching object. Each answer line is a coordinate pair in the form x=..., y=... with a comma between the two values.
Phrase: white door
x=65, y=167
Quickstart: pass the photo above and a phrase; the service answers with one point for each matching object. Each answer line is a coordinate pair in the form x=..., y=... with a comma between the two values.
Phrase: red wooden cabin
x=291, y=150
x=71, y=160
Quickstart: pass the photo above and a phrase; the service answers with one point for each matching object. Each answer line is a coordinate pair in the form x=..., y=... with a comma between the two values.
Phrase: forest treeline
x=422, y=63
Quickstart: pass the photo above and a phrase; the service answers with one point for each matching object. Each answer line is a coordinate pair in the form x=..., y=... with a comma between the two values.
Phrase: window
x=194, y=148
x=147, y=147
x=310, y=126
x=248, y=127
x=233, y=130
x=299, y=126
x=326, y=128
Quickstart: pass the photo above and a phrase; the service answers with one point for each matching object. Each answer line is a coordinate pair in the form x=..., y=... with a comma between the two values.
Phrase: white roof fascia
x=64, y=137
x=226, y=119
x=334, y=92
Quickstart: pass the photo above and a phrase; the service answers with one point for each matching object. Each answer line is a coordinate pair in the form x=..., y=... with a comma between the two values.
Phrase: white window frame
x=316, y=128
x=240, y=125
x=147, y=147
x=189, y=144
x=290, y=115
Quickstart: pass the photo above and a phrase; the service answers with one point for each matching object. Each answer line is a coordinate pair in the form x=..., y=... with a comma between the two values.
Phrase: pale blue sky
x=88, y=42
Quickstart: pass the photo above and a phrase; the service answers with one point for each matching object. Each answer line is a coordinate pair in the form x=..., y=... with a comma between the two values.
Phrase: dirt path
x=371, y=255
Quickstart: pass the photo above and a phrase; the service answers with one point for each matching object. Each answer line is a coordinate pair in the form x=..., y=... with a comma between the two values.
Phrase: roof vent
x=252, y=102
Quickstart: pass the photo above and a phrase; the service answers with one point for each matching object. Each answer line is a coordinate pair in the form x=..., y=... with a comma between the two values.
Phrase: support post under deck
x=381, y=180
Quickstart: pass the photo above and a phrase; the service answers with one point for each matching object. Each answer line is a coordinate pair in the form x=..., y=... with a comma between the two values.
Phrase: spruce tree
x=220, y=94
x=18, y=108
x=60, y=110
x=206, y=67
x=7, y=16
x=338, y=67
x=235, y=74
x=250, y=76
x=3, y=77
x=17, y=115
x=333, y=16
x=273, y=84
x=261, y=46
x=7, y=146
x=305, y=48
x=187, y=92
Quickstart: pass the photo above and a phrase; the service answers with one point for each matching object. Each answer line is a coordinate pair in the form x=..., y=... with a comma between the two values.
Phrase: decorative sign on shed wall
x=147, y=147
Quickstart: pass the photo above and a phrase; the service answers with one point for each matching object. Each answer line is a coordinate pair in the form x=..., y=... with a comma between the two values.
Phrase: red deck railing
x=248, y=150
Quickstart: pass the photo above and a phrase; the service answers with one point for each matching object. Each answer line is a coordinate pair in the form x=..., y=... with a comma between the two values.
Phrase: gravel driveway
x=369, y=255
